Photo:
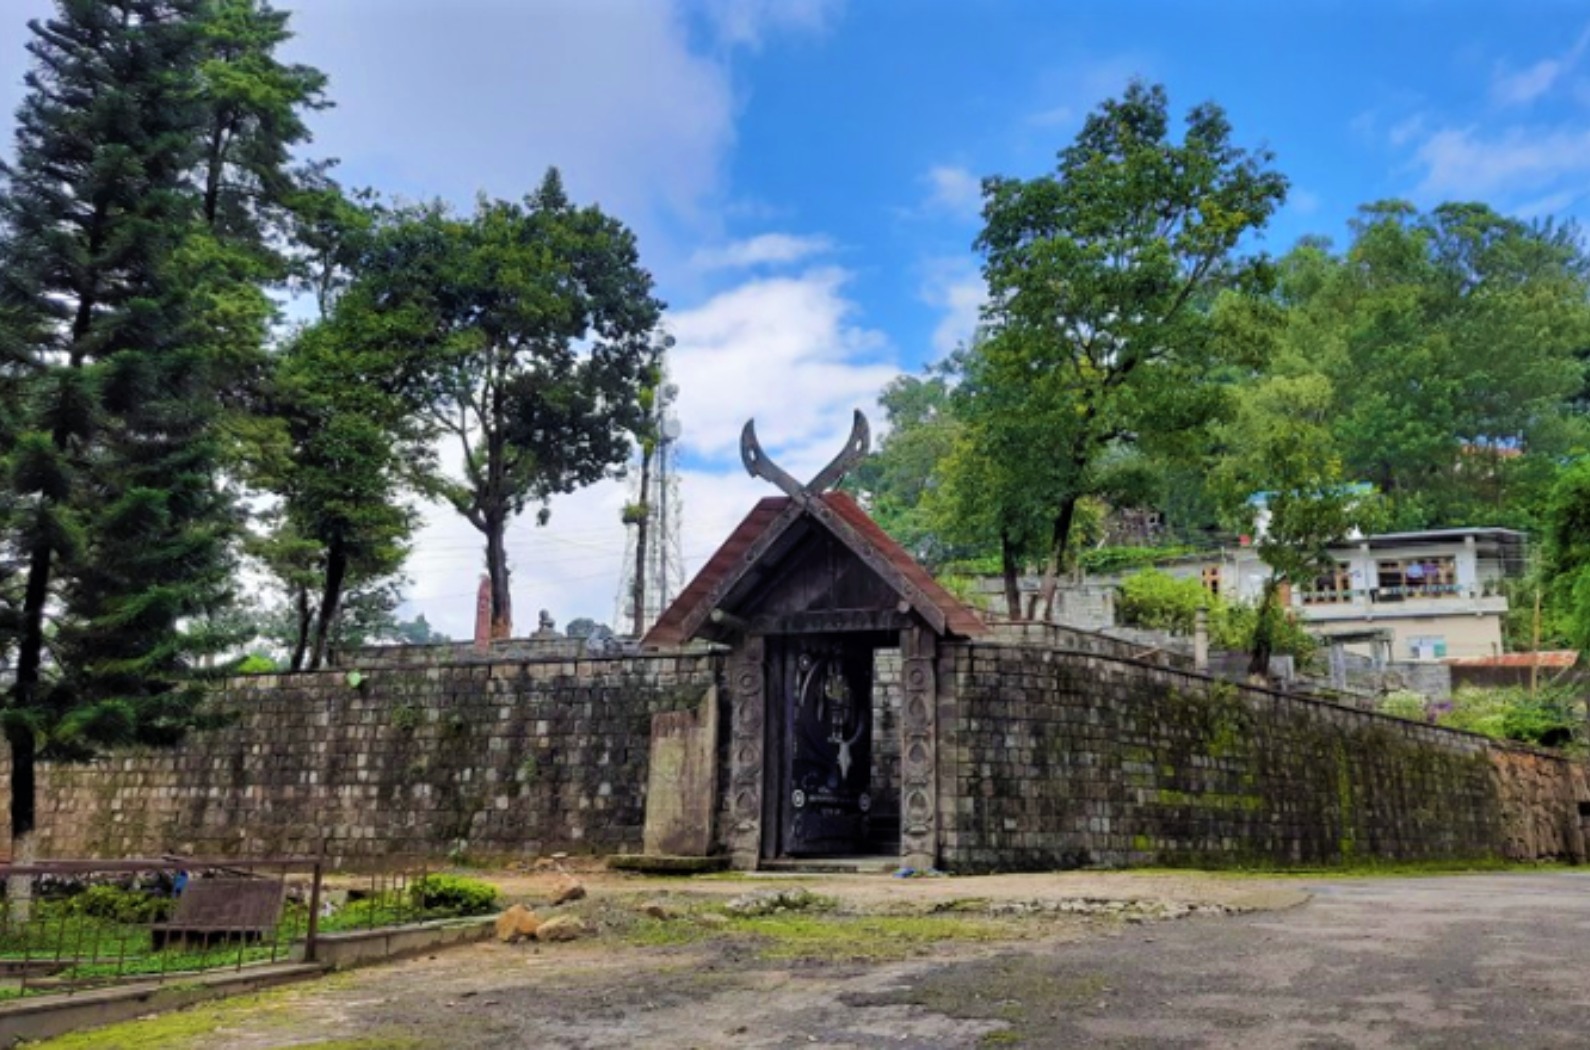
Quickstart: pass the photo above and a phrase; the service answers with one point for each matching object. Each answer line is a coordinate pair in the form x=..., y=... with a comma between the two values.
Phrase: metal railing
x=73, y=925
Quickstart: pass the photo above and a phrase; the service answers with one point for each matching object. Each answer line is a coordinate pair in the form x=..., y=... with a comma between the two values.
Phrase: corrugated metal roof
x=1556, y=658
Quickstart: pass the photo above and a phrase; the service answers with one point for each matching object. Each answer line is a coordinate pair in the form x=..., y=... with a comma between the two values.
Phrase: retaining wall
x=1060, y=759
x=507, y=758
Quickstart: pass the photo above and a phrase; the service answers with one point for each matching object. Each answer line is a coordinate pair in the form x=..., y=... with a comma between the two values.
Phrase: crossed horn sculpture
x=758, y=465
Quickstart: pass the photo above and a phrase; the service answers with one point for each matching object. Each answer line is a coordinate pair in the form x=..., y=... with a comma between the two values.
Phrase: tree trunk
x=19, y=888
x=1057, y=551
x=1007, y=564
x=1264, y=631
x=497, y=570
x=305, y=618
x=642, y=535
x=330, y=600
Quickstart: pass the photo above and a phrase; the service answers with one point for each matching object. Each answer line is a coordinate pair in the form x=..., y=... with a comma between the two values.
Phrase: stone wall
x=1063, y=759
x=507, y=758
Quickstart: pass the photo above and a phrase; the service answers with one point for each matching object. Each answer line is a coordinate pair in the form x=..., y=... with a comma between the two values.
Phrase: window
x=1331, y=588
x=1427, y=646
x=1416, y=578
x=1211, y=578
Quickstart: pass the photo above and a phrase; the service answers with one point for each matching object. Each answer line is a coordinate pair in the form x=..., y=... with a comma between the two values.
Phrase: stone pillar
x=919, y=838
x=1201, y=639
x=1338, y=666
x=483, y=615
x=747, y=744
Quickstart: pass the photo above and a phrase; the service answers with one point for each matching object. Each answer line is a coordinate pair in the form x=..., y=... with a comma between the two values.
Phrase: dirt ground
x=698, y=979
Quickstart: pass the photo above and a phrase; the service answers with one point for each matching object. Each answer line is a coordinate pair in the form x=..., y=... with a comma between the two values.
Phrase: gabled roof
x=772, y=528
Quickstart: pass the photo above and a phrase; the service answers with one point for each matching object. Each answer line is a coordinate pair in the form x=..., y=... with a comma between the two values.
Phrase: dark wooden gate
x=824, y=697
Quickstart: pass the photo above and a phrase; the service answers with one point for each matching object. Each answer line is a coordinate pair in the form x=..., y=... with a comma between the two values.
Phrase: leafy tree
x=897, y=480
x=351, y=449
x=536, y=324
x=1116, y=288
x=1450, y=338
x=1281, y=460
x=1567, y=554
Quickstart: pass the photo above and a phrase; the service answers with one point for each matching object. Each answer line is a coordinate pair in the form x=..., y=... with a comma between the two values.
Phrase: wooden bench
x=211, y=911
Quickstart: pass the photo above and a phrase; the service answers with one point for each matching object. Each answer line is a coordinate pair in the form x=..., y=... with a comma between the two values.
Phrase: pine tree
x=116, y=510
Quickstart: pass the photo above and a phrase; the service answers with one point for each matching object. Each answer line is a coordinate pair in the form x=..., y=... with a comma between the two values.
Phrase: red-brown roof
x=730, y=560
x=1557, y=658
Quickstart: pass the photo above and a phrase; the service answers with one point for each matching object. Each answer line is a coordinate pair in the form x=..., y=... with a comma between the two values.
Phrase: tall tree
x=1450, y=339
x=1114, y=282
x=540, y=329
x=94, y=215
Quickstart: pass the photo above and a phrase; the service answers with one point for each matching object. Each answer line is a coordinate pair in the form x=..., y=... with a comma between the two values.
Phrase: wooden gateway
x=807, y=592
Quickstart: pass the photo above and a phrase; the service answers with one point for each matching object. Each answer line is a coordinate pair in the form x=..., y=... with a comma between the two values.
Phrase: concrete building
x=1418, y=595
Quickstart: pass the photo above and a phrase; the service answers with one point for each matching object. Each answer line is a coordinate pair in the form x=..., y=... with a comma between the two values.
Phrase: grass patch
x=192, y=1029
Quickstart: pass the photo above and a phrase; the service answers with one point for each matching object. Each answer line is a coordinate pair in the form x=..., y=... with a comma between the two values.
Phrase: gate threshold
x=832, y=865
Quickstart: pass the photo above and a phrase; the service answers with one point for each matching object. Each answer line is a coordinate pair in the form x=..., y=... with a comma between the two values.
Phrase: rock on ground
x=517, y=923
x=561, y=928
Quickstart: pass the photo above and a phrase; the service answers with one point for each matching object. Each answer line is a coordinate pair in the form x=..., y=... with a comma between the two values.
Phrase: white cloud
x=764, y=249
x=747, y=23
x=1519, y=87
x=784, y=350
x=955, y=287
x=1550, y=204
x=953, y=190
x=1465, y=163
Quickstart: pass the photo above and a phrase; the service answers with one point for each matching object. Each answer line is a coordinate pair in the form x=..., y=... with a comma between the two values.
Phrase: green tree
x=116, y=507
x=538, y=330
x=1567, y=554
x=1117, y=287
x=897, y=480
x=1450, y=338
x=1282, y=470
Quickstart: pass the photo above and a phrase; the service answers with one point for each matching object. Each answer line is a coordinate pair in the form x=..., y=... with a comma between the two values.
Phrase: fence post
x=312, y=935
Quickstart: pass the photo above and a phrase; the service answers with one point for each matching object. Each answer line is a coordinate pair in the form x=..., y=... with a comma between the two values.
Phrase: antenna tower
x=653, y=500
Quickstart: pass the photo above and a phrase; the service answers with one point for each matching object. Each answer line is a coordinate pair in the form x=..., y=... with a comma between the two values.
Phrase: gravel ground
x=1451, y=962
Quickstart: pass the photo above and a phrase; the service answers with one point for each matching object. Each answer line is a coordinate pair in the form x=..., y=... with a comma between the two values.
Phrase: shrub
x=117, y=904
x=455, y=894
x=1551, y=718
x=1404, y=703
x=1160, y=602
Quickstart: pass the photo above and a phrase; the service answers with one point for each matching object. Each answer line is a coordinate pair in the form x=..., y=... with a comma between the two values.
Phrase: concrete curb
x=47, y=1016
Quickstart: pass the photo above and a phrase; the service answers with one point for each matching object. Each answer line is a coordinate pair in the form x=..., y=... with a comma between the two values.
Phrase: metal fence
x=72, y=925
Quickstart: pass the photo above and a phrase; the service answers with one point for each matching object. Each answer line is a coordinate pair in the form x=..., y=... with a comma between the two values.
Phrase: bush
x=116, y=904
x=1159, y=602
x=455, y=894
x=1551, y=718
x=1404, y=703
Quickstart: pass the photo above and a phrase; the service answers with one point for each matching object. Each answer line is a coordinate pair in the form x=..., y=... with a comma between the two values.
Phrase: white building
x=1432, y=594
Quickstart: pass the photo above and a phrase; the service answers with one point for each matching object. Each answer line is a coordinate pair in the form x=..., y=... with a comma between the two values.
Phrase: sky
x=803, y=175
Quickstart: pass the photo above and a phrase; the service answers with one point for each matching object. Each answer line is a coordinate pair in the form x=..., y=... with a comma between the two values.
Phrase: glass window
x=1331, y=588
x=1416, y=578
x=1427, y=647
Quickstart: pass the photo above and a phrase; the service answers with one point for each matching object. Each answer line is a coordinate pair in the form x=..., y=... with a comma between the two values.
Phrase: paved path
x=1471, y=961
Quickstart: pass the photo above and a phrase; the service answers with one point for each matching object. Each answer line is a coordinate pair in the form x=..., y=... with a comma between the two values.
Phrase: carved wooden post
x=919, y=834
x=747, y=741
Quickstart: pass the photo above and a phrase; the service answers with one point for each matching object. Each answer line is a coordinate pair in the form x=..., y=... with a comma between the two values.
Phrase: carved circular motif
x=797, y=798
x=750, y=755
x=916, y=678
x=916, y=710
x=918, y=755
x=916, y=806
x=748, y=682
x=746, y=802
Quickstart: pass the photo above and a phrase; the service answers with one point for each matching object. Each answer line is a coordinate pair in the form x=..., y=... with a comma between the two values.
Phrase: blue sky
x=803, y=173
